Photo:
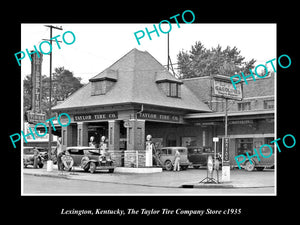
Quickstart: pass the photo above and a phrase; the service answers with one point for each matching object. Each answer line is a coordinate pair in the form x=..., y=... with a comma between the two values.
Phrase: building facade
x=250, y=121
x=137, y=96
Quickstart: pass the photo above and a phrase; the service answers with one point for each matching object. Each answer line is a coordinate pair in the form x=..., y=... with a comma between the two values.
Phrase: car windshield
x=195, y=150
x=182, y=150
x=92, y=151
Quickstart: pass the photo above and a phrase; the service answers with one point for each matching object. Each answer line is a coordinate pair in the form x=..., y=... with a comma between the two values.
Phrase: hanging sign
x=223, y=88
x=226, y=150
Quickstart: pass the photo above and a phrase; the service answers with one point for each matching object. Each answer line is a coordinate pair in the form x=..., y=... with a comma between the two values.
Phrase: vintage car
x=165, y=157
x=88, y=158
x=28, y=156
x=198, y=155
x=254, y=163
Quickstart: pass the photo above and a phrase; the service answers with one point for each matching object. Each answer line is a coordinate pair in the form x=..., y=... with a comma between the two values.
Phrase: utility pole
x=49, y=162
x=168, y=53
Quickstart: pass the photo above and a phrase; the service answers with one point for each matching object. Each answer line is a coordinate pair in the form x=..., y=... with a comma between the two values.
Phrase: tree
x=63, y=85
x=200, y=61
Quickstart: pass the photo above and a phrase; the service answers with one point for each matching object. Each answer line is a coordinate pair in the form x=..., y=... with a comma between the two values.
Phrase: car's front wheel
x=92, y=167
x=249, y=166
x=168, y=165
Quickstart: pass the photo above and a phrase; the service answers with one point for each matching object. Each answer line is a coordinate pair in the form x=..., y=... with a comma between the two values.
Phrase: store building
x=250, y=121
x=133, y=97
x=137, y=96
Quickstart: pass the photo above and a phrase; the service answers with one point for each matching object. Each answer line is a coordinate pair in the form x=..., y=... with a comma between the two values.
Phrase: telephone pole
x=49, y=162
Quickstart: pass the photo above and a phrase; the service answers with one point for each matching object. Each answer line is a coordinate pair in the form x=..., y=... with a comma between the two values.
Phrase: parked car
x=29, y=154
x=90, y=159
x=165, y=157
x=198, y=155
x=254, y=163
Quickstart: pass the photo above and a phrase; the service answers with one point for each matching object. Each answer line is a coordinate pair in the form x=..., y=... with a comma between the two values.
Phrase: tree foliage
x=199, y=61
x=63, y=85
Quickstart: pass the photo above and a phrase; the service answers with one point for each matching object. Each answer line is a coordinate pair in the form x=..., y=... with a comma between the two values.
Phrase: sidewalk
x=188, y=178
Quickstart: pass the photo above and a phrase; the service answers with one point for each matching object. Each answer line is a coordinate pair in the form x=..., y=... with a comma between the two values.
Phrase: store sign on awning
x=96, y=116
x=158, y=116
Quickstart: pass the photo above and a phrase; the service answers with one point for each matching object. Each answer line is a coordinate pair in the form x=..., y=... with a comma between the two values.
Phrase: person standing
x=177, y=161
x=36, y=161
x=59, y=153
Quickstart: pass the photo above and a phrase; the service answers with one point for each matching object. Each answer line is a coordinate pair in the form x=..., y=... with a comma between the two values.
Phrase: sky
x=97, y=46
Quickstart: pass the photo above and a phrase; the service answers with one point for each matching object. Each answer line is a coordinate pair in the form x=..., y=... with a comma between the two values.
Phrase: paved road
x=51, y=185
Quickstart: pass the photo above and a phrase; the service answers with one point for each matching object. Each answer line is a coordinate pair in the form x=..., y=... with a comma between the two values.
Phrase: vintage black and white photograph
x=137, y=109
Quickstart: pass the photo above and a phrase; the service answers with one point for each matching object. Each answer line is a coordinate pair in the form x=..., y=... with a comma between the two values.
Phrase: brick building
x=250, y=121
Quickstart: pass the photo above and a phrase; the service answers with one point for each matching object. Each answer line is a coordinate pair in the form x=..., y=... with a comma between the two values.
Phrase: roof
x=261, y=87
x=106, y=75
x=136, y=74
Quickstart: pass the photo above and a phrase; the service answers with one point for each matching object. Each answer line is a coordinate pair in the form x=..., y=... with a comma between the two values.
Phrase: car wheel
x=249, y=166
x=92, y=167
x=196, y=167
x=111, y=170
x=168, y=165
x=86, y=168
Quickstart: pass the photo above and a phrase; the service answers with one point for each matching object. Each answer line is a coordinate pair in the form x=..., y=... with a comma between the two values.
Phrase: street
x=165, y=183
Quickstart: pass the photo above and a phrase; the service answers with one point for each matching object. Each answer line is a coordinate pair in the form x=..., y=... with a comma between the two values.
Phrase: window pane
x=269, y=104
x=98, y=87
x=173, y=91
x=244, y=106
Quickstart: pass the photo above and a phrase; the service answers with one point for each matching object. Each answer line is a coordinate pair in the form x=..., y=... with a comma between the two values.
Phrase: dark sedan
x=198, y=155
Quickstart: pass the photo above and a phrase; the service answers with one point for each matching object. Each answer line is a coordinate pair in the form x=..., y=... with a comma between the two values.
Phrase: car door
x=267, y=157
x=77, y=155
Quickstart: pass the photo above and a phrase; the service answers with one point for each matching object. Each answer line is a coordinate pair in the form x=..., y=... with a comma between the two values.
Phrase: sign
x=33, y=117
x=226, y=150
x=96, y=116
x=36, y=82
x=215, y=139
x=224, y=89
x=158, y=116
x=240, y=122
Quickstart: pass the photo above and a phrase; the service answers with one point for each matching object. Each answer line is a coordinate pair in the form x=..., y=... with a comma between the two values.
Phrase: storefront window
x=188, y=141
x=269, y=104
x=244, y=145
x=244, y=106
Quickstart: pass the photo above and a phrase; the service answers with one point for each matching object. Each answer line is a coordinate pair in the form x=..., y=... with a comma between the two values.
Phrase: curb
x=65, y=176
x=207, y=186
